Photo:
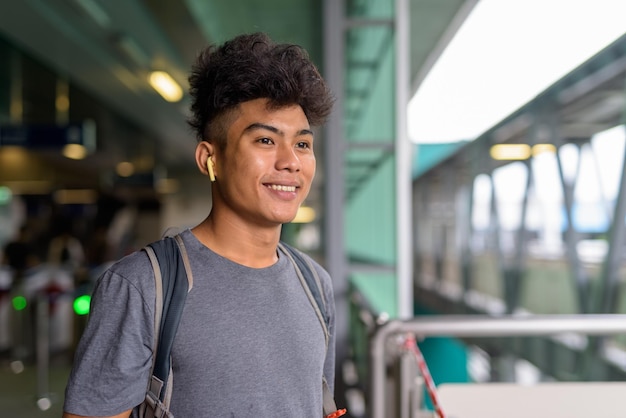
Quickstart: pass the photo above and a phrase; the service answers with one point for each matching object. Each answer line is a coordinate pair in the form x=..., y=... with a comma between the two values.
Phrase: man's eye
x=303, y=145
x=266, y=141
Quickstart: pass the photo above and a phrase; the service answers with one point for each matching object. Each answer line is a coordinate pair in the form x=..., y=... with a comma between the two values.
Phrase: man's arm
x=122, y=415
x=118, y=335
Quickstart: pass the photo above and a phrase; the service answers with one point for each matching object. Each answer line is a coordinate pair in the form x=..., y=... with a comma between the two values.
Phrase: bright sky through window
x=506, y=53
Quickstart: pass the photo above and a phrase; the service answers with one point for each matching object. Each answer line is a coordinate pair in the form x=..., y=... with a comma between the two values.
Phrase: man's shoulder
x=137, y=258
x=137, y=265
x=134, y=266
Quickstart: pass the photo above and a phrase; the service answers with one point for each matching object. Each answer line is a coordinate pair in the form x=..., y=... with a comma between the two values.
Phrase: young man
x=249, y=343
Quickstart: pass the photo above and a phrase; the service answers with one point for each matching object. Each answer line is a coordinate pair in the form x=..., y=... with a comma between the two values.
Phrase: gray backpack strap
x=312, y=285
x=183, y=253
x=149, y=408
x=156, y=403
x=158, y=304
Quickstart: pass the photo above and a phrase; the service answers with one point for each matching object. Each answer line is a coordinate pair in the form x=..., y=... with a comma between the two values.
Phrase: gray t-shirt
x=249, y=343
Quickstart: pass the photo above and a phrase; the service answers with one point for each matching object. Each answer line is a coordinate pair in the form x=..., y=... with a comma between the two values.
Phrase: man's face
x=266, y=169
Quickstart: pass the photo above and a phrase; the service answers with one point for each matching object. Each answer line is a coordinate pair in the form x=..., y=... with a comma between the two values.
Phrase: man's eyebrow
x=274, y=129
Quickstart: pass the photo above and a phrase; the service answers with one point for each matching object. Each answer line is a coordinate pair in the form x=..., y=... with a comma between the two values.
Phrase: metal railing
x=472, y=326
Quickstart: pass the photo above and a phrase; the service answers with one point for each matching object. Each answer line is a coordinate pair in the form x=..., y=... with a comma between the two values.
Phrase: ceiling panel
x=433, y=25
x=107, y=47
x=95, y=56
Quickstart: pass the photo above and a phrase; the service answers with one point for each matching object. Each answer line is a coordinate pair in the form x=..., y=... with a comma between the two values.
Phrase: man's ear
x=204, y=150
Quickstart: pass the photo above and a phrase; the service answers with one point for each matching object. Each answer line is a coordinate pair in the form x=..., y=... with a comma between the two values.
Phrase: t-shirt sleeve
x=114, y=356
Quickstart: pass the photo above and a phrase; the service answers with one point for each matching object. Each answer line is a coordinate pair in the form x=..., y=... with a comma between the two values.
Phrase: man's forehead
x=261, y=114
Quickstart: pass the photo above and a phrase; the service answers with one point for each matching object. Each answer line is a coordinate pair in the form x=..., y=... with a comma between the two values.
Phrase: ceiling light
x=165, y=85
x=305, y=215
x=125, y=169
x=74, y=151
x=62, y=104
x=541, y=148
x=510, y=152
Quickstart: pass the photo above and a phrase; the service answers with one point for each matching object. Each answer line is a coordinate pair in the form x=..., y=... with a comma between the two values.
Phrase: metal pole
x=377, y=367
x=406, y=390
x=610, y=275
x=334, y=178
x=585, y=305
x=404, y=162
x=43, y=351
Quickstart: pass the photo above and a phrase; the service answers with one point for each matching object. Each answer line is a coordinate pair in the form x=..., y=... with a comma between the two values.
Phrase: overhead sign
x=49, y=136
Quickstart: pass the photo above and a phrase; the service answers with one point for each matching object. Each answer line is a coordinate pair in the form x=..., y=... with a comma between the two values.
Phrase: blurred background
x=471, y=177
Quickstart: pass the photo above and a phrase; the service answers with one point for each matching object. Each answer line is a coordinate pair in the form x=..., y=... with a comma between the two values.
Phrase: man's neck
x=251, y=246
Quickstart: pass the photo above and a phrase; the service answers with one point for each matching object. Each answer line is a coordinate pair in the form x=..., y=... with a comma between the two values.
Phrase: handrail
x=479, y=326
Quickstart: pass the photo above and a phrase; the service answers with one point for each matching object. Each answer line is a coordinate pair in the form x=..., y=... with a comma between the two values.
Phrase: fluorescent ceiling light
x=74, y=151
x=125, y=169
x=62, y=103
x=165, y=85
x=541, y=148
x=510, y=152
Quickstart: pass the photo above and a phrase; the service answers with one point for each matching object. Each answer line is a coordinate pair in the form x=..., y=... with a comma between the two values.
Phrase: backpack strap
x=312, y=285
x=172, y=283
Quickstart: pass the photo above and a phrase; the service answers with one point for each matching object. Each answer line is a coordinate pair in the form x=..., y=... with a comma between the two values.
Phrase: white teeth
x=282, y=188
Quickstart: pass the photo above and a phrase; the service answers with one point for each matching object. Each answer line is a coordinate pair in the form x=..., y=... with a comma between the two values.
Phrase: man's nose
x=287, y=159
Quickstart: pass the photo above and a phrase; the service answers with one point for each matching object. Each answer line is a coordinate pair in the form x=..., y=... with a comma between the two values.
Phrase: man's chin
x=287, y=219
x=284, y=217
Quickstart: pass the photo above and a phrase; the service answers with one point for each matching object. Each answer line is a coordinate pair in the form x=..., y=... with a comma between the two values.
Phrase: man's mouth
x=282, y=188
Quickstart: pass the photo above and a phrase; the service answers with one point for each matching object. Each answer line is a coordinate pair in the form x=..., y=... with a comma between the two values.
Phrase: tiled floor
x=19, y=391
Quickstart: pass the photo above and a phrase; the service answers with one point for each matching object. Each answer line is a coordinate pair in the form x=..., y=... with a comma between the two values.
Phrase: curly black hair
x=249, y=67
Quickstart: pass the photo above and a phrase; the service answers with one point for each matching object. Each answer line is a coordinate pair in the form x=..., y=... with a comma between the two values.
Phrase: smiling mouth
x=282, y=188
